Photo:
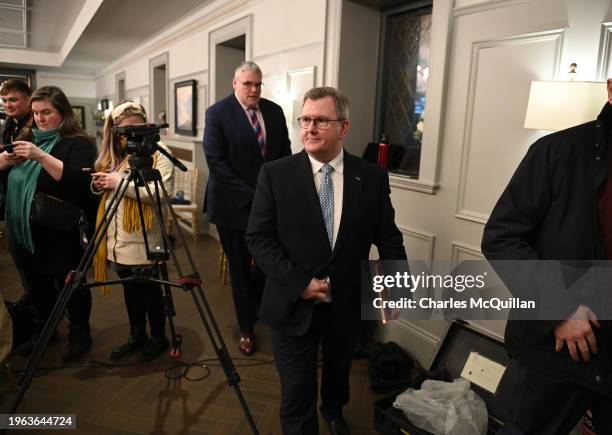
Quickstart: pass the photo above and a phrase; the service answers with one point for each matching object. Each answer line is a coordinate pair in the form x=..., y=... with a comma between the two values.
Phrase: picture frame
x=185, y=107
x=79, y=115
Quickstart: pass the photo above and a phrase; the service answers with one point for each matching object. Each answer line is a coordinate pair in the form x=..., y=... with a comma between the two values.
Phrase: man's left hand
x=577, y=333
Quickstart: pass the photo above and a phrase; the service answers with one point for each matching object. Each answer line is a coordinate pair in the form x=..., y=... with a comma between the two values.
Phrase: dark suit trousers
x=247, y=282
x=538, y=404
x=296, y=362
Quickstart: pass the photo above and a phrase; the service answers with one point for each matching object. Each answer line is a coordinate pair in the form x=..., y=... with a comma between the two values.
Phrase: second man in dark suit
x=242, y=132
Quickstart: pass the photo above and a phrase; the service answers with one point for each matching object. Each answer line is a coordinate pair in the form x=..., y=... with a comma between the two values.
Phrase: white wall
x=72, y=85
x=80, y=90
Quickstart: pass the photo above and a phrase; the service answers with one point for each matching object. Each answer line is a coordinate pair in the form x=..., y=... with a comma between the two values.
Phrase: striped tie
x=258, y=131
x=326, y=198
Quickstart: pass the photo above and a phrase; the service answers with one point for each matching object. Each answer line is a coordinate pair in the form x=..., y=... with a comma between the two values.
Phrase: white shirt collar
x=337, y=163
x=245, y=108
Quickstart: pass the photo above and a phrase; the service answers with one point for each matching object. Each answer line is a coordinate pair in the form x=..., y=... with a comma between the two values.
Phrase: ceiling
x=81, y=36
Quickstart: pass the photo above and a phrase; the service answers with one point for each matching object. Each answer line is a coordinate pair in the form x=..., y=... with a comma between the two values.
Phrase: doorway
x=229, y=54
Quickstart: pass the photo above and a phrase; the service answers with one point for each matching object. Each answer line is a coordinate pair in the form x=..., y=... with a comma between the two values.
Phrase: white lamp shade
x=558, y=105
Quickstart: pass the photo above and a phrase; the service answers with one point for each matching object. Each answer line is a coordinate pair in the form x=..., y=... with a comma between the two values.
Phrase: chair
x=187, y=214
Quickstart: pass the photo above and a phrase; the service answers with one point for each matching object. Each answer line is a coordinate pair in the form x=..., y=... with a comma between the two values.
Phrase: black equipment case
x=459, y=340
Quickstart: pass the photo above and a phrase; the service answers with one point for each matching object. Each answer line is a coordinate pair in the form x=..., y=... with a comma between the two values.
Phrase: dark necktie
x=326, y=198
x=258, y=131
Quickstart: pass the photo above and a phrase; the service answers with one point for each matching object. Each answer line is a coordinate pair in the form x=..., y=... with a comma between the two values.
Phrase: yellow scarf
x=131, y=223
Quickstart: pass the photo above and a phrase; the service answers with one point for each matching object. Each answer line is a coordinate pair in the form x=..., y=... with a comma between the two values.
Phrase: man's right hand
x=577, y=333
x=317, y=289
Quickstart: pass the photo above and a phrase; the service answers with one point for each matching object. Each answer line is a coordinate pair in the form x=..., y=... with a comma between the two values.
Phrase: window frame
x=441, y=31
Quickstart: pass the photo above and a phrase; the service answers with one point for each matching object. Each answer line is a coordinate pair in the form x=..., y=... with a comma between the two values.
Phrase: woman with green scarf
x=50, y=160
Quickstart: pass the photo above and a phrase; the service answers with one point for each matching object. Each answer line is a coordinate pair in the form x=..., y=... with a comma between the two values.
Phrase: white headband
x=117, y=111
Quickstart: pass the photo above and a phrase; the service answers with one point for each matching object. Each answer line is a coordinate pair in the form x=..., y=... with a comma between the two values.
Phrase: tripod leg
x=200, y=300
x=177, y=340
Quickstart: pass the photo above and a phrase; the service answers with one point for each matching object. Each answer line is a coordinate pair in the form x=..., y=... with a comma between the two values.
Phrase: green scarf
x=21, y=186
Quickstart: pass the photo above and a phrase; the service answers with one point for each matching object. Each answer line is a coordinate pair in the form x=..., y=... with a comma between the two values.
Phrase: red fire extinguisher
x=383, y=152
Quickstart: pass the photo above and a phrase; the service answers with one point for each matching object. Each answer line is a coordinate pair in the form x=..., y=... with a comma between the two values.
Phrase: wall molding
x=296, y=72
x=485, y=5
x=421, y=343
x=462, y=247
x=138, y=88
x=54, y=75
x=529, y=38
x=426, y=335
x=308, y=46
x=416, y=184
x=605, y=51
x=185, y=141
x=189, y=76
x=429, y=238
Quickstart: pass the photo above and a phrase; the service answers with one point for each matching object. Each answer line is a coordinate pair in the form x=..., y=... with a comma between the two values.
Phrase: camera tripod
x=140, y=174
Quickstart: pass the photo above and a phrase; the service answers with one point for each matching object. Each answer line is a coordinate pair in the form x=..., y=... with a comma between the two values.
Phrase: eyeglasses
x=321, y=123
x=249, y=85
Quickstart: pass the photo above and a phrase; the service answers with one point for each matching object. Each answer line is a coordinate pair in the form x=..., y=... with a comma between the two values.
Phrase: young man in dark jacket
x=558, y=206
x=15, y=95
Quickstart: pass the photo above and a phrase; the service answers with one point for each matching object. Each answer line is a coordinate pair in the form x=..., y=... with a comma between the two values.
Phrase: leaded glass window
x=402, y=97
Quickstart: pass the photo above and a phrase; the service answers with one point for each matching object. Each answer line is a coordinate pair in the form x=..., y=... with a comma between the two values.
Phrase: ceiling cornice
x=54, y=59
x=183, y=28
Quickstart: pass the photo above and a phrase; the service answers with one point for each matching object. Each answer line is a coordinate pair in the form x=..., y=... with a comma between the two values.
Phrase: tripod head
x=141, y=144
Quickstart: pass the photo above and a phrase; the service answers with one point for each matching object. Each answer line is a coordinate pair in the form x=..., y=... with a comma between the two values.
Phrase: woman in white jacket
x=124, y=250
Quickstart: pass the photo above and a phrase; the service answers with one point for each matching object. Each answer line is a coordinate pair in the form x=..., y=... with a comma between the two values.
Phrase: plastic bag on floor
x=449, y=408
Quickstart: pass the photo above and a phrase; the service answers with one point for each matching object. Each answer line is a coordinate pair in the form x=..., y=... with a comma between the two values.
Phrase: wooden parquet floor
x=135, y=398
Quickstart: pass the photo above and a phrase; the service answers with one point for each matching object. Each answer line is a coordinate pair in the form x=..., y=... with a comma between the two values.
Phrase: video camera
x=141, y=138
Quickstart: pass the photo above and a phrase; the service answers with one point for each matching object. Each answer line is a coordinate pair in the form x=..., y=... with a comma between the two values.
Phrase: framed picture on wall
x=79, y=115
x=185, y=107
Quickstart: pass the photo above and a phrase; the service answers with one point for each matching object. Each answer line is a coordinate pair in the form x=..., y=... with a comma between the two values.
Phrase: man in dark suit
x=315, y=216
x=242, y=132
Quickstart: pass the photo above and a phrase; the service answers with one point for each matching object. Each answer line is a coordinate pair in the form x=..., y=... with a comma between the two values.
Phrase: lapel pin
x=357, y=178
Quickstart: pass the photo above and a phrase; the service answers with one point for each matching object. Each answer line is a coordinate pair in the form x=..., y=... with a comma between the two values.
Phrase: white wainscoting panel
x=419, y=244
x=299, y=81
x=494, y=139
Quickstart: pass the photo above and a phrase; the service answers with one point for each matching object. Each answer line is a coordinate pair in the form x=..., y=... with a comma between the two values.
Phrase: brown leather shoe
x=247, y=345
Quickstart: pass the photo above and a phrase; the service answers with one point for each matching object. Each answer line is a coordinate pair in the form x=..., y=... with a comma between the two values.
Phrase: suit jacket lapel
x=353, y=180
x=307, y=192
x=243, y=123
